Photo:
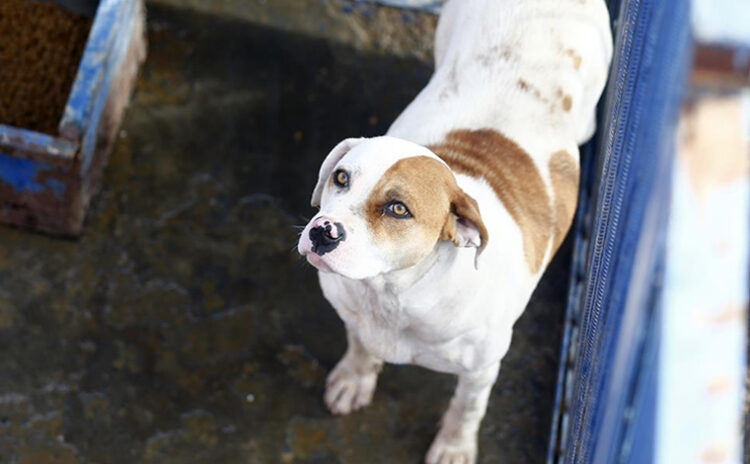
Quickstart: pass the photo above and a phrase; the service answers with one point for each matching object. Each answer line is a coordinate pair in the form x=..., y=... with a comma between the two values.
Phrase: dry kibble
x=41, y=48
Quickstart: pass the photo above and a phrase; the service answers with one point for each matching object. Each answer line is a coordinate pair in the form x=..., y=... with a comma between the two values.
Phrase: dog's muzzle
x=326, y=236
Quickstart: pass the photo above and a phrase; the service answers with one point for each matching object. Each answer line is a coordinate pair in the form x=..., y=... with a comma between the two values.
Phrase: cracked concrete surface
x=183, y=328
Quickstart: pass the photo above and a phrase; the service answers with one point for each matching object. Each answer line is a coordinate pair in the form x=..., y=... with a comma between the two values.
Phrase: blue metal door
x=608, y=373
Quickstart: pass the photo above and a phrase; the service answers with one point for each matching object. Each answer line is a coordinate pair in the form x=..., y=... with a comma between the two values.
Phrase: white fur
x=443, y=313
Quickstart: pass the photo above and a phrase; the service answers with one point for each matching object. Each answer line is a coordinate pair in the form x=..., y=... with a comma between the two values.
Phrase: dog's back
x=522, y=67
x=513, y=95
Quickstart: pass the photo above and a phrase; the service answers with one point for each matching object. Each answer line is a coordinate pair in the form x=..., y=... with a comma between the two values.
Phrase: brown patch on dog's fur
x=436, y=202
x=526, y=87
x=512, y=175
x=564, y=174
x=575, y=57
x=567, y=102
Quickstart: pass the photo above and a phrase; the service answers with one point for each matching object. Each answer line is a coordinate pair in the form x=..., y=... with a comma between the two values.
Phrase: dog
x=429, y=240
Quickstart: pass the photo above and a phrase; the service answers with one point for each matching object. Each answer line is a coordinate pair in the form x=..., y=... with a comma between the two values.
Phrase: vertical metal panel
x=609, y=361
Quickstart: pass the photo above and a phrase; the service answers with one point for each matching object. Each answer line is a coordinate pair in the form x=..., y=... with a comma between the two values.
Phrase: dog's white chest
x=393, y=329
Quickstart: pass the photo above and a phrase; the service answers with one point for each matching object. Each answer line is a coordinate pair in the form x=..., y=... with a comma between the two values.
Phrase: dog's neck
x=398, y=281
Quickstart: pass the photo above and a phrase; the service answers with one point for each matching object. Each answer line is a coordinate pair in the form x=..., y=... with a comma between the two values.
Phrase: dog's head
x=385, y=204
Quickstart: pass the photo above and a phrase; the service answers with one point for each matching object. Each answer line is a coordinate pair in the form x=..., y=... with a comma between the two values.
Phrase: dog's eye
x=341, y=178
x=397, y=209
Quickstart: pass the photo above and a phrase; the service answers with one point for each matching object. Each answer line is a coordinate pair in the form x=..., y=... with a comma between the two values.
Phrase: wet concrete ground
x=183, y=327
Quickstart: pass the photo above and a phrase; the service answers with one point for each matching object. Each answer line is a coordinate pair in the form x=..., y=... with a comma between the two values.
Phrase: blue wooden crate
x=46, y=181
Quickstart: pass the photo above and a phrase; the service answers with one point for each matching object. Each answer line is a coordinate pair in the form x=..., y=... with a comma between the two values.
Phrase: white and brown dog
x=431, y=239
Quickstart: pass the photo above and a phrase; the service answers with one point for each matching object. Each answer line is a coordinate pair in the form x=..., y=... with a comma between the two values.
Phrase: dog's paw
x=347, y=391
x=446, y=450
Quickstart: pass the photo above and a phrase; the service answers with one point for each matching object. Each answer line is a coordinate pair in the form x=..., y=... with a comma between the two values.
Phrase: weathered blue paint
x=90, y=77
x=609, y=365
x=23, y=175
x=28, y=155
x=123, y=28
x=36, y=142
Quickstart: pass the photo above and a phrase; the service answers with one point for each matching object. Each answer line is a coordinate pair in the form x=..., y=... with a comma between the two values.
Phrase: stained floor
x=183, y=327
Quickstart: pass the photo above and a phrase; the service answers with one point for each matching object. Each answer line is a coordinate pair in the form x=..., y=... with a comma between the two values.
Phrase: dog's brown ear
x=464, y=226
x=329, y=163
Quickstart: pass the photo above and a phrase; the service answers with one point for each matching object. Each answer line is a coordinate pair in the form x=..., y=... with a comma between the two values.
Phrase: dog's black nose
x=326, y=237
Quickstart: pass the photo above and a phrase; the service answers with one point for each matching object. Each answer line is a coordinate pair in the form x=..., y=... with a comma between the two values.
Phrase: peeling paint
x=24, y=175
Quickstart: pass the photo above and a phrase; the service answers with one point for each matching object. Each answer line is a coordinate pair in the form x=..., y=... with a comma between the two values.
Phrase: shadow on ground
x=183, y=328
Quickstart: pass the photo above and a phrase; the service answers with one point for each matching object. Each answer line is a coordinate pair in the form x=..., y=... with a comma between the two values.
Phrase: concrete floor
x=183, y=327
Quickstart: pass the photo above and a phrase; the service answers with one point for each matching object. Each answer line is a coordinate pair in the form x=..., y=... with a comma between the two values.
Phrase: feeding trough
x=52, y=153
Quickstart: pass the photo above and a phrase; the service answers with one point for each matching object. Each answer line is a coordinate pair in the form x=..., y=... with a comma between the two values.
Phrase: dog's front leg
x=456, y=442
x=351, y=383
